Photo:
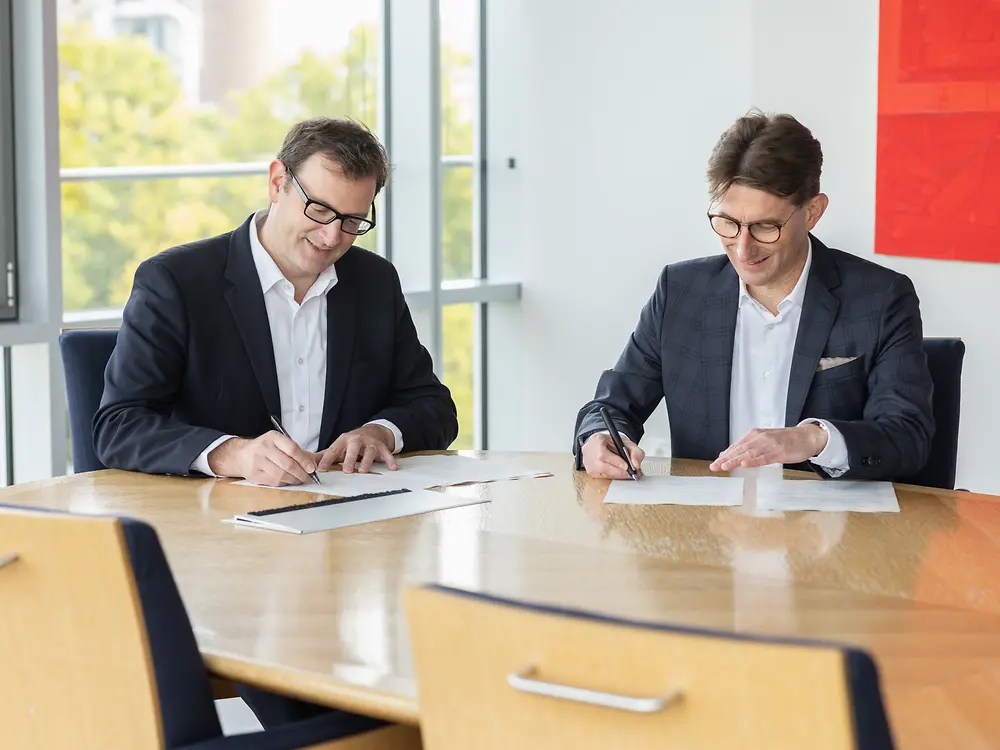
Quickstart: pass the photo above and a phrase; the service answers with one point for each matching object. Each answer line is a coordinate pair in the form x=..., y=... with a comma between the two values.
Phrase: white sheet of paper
x=354, y=512
x=815, y=494
x=676, y=491
x=445, y=470
x=340, y=484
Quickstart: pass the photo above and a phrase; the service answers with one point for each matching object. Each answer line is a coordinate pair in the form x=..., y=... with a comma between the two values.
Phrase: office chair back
x=944, y=359
x=494, y=673
x=72, y=621
x=97, y=649
x=85, y=355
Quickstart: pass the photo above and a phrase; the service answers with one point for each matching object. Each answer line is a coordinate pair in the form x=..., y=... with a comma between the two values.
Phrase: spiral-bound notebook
x=335, y=513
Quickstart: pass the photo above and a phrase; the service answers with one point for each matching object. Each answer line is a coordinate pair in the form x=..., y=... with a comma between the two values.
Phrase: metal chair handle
x=523, y=681
x=7, y=559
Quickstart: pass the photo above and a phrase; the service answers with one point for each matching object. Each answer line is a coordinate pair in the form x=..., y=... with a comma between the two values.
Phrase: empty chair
x=944, y=359
x=98, y=652
x=85, y=355
x=494, y=673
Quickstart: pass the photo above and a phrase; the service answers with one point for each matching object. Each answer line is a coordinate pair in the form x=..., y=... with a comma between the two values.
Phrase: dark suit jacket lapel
x=246, y=301
x=819, y=311
x=718, y=333
x=341, y=321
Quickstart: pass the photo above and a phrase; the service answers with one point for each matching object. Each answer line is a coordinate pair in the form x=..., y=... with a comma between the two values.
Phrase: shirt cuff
x=200, y=464
x=621, y=434
x=833, y=458
x=395, y=433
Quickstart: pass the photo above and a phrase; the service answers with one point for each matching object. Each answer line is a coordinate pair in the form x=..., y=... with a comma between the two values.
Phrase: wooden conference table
x=320, y=616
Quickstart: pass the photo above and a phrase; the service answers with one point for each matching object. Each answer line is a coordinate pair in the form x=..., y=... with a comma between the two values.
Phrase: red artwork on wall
x=938, y=176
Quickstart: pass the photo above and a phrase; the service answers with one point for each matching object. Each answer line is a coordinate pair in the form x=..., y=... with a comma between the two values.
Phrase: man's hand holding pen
x=602, y=461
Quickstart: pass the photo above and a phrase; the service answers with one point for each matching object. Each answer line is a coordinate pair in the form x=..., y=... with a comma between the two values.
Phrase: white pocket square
x=827, y=363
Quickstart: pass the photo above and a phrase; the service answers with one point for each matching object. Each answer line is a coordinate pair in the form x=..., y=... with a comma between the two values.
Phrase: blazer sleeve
x=893, y=439
x=419, y=404
x=632, y=389
x=133, y=428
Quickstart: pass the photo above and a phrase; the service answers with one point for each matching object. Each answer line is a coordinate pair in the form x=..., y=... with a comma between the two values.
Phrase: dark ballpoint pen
x=279, y=428
x=617, y=440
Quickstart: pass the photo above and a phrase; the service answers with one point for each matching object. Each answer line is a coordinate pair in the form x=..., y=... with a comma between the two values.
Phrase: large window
x=170, y=112
x=458, y=111
x=8, y=255
x=129, y=126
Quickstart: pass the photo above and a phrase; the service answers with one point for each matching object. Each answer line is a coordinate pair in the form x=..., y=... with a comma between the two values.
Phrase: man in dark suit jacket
x=781, y=351
x=281, y=317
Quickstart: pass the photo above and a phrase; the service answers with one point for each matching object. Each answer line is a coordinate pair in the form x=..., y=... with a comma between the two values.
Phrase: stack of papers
x=828, y=495
x=444, y=471
x=771, y=494
x=381, y=496
x=324, y=515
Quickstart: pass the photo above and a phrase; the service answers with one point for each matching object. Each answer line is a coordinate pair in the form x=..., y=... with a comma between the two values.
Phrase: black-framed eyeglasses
x=766, y=232
x=324, y=214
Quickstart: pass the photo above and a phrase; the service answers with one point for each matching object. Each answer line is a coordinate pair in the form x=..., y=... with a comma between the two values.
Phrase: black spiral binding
x=328, y=501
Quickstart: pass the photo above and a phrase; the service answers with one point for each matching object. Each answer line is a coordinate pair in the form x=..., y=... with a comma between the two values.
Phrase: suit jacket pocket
x=838, y=392
x=845, y=372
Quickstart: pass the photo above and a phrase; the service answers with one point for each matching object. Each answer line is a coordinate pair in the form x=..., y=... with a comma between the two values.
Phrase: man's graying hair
x=771, y=152
x=348, y=143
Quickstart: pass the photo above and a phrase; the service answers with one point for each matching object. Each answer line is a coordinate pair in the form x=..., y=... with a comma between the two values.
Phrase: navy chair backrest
x=46, y=543
x=944, y=359
x=85, y=355
x=187, y=706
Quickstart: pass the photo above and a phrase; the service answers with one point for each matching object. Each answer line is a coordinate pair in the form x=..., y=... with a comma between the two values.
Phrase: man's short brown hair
x=348, y=143
x=771, y=152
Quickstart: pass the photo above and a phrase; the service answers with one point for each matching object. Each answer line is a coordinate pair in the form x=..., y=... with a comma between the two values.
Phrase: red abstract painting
x=938, y=171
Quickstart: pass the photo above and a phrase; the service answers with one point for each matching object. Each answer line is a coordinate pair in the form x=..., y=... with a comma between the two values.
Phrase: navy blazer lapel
x=341, y=322
x=718, y=334
x=246, y=301
x=819, y=311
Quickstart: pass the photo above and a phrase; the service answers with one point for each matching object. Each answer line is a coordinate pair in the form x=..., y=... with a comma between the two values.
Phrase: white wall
x=611, y=110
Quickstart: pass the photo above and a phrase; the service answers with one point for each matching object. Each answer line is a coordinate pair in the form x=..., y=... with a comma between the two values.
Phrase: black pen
x=279, y=428
x=619, y=445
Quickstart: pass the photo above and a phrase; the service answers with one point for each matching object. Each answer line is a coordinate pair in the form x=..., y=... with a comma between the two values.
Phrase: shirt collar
x=268, y=271
x=798, y=294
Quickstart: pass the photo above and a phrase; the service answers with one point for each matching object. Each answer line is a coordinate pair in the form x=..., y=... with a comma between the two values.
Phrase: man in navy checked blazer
x=781, y=351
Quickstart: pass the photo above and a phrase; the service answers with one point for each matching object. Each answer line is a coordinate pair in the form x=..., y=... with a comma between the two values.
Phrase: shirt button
x=768, y=327
x=767, y=374
x=300, y=360
x=301, y=407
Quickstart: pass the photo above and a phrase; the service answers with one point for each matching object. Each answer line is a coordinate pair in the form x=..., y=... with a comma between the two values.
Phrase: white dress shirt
x=762, y=366
x=298, y=335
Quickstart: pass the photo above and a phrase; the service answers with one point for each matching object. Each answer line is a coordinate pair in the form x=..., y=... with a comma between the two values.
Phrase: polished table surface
x=320, y=616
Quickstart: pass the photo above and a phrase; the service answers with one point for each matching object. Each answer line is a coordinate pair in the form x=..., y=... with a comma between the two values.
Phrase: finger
x=290, y=448
x=273, y=475
x=636, y=454
x=335, y=453
x=351, y=454
x=741, y=460
x=289, y=471
x=325, y=459
x=608, y=470
x=608, y=455
x=367, y=459
x=736, y=449
x=599, y=469
x=385, y=456
x=752, y=463
x=762, y=454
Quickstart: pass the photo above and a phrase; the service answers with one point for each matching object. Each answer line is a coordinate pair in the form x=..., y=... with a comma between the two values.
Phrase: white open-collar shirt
x=762, y=367
x=298, y=336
